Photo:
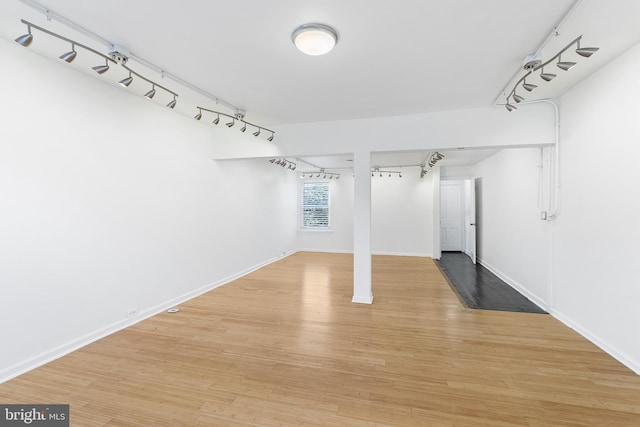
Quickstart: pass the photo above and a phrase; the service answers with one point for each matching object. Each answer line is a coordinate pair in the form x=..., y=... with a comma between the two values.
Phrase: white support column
x=435, y=177
x=362, y=229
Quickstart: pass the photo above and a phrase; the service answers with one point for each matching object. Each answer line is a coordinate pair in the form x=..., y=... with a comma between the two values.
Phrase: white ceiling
x=393, y=58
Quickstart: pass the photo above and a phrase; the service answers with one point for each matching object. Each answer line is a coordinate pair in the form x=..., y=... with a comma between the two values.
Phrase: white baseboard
x=621, y=357
x=514, y=284
x=362, y=299
x=328, y=251
x=64, y=349
x=422, y=255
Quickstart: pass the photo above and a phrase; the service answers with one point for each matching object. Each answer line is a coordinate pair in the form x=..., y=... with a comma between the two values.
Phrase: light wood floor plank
x=284, y=346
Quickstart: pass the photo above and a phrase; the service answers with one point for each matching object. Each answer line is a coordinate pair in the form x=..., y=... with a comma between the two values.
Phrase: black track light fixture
x=271, y=137
x=217, y=119
x=199, y=115
x=231, y=123
x=257, y=133
x=244, y=127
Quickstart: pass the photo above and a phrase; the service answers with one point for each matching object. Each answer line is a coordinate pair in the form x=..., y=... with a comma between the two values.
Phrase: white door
x=451, y=216
x=472, y=220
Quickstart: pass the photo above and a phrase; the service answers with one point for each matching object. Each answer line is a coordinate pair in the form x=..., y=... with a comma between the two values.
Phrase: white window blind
x=314, y=209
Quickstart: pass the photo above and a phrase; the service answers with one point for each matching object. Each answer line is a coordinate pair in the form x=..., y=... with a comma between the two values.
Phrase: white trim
x=420, y=255
x=514, y=284
x=329, y=251
x=350, y=251
x=362, y=299
x=621, y=357
x=64, y=349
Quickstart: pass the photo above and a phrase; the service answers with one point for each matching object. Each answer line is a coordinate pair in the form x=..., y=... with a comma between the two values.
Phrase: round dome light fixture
x=314, y=39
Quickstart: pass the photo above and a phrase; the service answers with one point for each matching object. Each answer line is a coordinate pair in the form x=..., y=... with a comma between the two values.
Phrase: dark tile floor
x=481, y=289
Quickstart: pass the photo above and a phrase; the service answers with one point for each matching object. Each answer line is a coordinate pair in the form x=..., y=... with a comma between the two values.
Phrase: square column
x=362, y=228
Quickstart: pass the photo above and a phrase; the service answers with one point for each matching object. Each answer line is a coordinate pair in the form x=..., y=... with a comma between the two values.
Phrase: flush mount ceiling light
x=314, y=39
x=533, y=65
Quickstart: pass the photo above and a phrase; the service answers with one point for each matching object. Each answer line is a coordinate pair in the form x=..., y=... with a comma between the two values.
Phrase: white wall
x=592, y=246
x=110, y=203
x=340, y=237
x=511, y=238
x=440, y=130
x=595, y=248
x=402, y=214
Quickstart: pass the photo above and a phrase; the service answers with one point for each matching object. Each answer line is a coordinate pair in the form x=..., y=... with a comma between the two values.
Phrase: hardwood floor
x=285, y=346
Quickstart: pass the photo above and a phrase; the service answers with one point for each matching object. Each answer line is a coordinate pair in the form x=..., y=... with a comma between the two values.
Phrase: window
x=314, y=209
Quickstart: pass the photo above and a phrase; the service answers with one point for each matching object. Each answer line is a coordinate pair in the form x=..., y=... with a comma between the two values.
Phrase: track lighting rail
x=533, y=67
x=52, y=16
x=117, y=57
x=239, y=117
x=285, y=163
x=107, y=58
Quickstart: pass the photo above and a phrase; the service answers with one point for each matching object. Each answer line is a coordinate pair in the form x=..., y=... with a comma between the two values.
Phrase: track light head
x=243, y=128
x=199, y=115
x=510, y=107
x=547, y=76
x=71, y=55
x=172, y=103
x=25, y=40
x=101, y=69
x=586, y=51
x=528, y=86
x=271, y=137
x=564, y=65
x=256, y=133
x=151, y=93
x=231, y=123
x=216, y=120
x=126, y=82
x=582, y=51
x=517, y=98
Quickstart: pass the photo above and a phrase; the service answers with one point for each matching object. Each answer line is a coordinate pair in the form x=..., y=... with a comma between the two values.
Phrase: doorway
x=458, y=216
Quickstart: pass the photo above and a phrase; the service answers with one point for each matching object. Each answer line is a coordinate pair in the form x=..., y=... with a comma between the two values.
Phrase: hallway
x=479, y=288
